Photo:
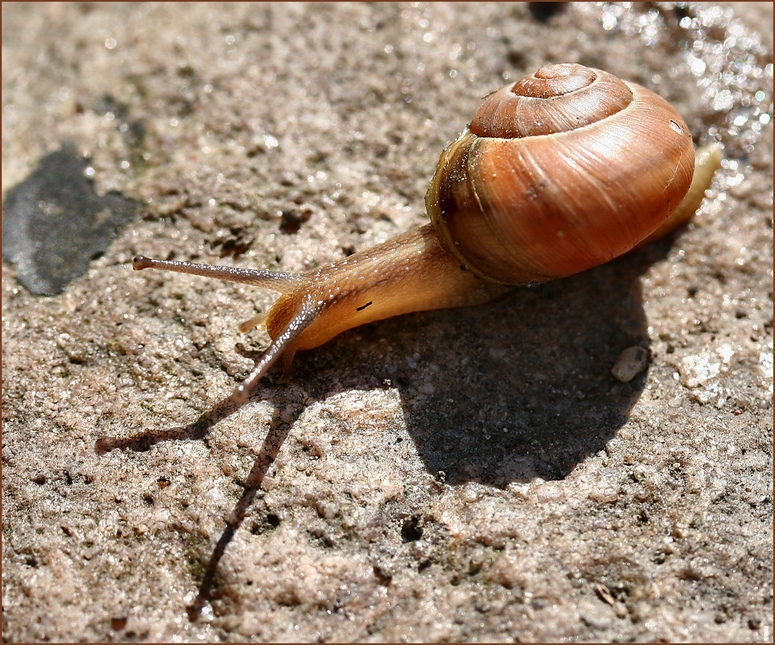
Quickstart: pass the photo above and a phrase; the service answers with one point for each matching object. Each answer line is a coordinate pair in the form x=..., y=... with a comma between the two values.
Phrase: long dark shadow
x=278, y=433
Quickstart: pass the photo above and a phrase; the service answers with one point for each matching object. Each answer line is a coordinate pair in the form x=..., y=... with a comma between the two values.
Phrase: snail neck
x=411, y=272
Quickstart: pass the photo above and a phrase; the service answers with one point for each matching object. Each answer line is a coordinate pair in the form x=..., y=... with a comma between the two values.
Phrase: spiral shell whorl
x=558, y=173
x=557, y=98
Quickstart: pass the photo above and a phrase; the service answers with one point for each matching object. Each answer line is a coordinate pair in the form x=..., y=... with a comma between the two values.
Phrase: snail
x=556, y=173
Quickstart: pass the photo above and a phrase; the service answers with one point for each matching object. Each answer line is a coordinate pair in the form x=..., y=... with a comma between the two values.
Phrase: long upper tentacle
x=274, y=280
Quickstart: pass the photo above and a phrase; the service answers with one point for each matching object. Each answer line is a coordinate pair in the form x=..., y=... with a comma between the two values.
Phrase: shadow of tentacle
x=191, y=432
x=278, y=433
x=279, y=429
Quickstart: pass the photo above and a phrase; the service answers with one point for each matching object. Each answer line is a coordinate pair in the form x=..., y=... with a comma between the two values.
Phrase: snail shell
x=557, y=173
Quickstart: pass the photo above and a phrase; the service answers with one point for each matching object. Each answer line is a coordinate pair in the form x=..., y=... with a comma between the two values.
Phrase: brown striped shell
x=557, y=173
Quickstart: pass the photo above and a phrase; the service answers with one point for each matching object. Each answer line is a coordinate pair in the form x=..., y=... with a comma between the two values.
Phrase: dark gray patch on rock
x=54, y=223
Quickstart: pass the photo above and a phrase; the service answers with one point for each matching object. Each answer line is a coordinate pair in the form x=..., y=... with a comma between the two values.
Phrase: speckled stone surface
x=472, y=474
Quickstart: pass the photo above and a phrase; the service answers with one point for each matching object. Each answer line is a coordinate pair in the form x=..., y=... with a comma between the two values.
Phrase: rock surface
x=473, y=474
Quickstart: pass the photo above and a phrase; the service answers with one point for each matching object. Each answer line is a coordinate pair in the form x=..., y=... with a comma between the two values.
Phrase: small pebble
x=631, y=362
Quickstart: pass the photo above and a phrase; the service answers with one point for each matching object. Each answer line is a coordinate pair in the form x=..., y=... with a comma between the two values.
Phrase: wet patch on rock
x=54, y=223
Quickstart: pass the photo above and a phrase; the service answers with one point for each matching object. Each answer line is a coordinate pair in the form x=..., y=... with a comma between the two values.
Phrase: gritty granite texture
x=473, y=474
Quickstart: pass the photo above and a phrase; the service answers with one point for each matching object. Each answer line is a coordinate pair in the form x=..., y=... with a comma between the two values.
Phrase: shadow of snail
x=557, y=173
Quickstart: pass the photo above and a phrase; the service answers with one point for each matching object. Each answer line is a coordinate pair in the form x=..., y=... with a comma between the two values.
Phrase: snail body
x=557, y=173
